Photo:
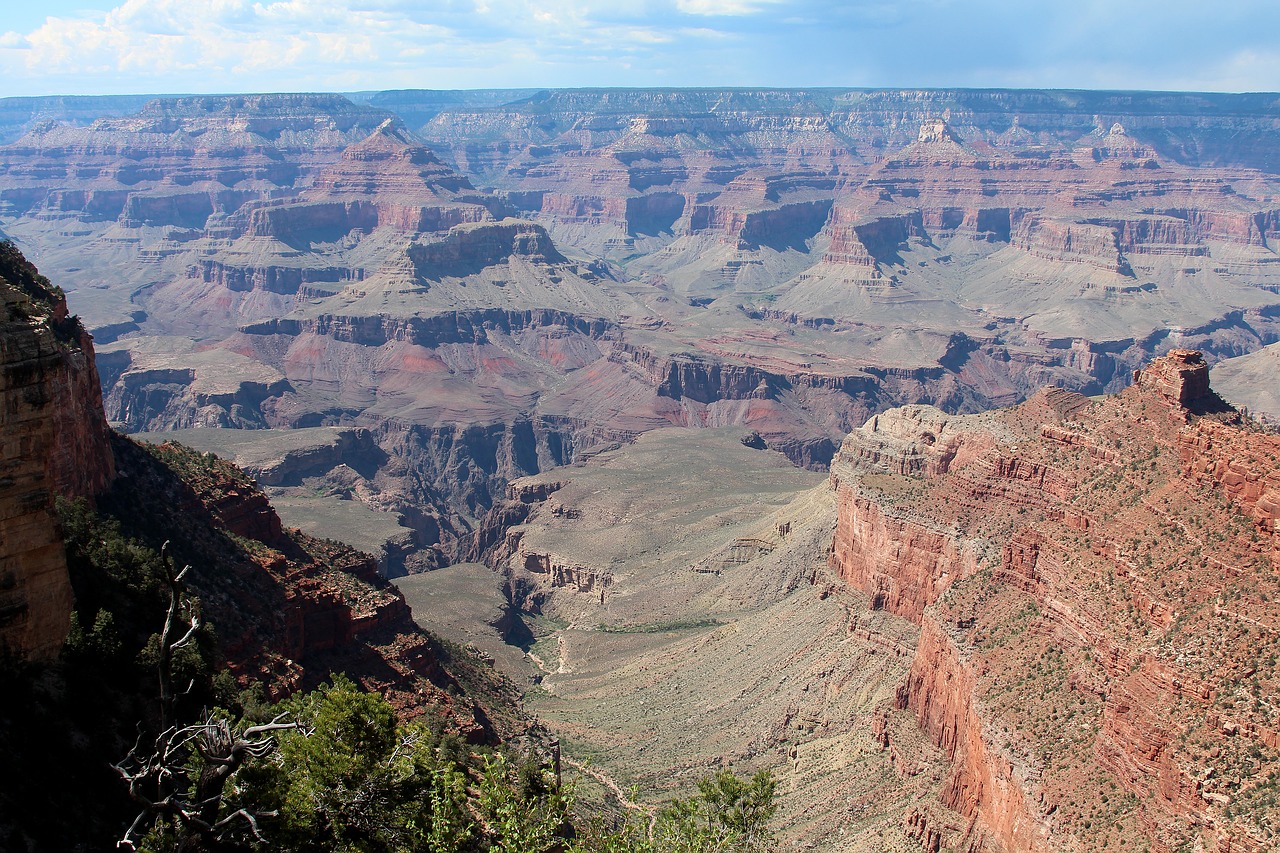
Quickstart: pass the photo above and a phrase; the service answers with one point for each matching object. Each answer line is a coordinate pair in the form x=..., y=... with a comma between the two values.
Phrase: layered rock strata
x=1095, y=581
x=289, y=609
x=766, y=259
x=54, y=444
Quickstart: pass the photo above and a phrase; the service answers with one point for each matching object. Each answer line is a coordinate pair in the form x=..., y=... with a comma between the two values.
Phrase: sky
x=206, y=46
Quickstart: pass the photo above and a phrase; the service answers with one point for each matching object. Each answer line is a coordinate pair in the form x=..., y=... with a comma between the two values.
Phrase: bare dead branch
x=186, y=638
x=161, y=779
x=274, y=725
x=248, y=816
x=132, y=832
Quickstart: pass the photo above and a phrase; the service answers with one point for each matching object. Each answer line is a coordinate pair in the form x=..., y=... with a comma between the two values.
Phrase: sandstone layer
x=1095, y=583
x=54, y=444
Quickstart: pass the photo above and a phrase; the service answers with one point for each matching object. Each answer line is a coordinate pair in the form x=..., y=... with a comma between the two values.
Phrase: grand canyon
x=863, y=436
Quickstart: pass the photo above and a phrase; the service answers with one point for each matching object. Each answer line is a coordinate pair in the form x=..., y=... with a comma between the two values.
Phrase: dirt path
x=562, y=666
x=538, y=661
x=622, y=796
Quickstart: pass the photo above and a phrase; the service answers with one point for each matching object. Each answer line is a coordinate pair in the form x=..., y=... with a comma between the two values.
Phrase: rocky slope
x=1045, y=628
x=1246, y=382
x=685, y=620
x=288, y=609
x=1095, y=584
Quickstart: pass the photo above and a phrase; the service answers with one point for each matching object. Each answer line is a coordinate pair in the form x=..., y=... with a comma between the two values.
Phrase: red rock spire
x=1181, y=376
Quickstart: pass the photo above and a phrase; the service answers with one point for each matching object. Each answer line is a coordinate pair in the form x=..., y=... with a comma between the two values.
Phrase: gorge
x=788, y=261
x=866, y=436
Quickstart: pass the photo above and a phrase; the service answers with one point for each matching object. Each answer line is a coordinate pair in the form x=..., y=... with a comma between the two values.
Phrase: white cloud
x=721, y=7
x=648, y=35
x=345, y=45
x=214, y=39
x=1249, y=71
x=239, y=45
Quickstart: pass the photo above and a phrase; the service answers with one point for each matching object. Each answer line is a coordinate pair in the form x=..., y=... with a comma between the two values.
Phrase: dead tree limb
x=178, y=602
x=162, y=778
x=161, y=782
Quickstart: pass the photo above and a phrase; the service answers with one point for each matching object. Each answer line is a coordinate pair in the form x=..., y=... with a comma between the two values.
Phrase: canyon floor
x=720, y=639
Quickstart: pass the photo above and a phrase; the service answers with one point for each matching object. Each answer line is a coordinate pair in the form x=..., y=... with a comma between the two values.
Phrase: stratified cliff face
x=288, y=609
x=1096, y=585
x=54, y=443
x=17, y=115
x=257, y=141
x=1194, y=128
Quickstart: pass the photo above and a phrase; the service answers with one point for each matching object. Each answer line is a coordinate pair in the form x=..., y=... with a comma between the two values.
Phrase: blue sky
x=167, y=46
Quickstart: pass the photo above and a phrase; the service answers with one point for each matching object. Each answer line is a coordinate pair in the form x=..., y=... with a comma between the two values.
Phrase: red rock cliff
x=1097, y=588
x=288, y=609
x=54, y=440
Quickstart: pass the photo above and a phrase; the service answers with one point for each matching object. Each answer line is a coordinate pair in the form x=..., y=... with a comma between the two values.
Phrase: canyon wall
x=1087, y=662
x=791, y=262
x=289, y=610
x=54, y=445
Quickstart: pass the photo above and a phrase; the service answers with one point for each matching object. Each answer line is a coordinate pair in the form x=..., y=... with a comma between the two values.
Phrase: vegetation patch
x=661, y=627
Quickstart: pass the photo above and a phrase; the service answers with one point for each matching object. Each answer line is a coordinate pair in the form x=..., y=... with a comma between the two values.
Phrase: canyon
x=1050, y=627
x=864, y=436
x=1094, y=582
x=290, y=609
x=492, y=283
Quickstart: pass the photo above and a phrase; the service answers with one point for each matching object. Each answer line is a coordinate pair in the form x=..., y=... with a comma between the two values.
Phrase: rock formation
x=1082, y=592
x=289, y=609
x=686, y=619
x=1181, y=376
x=54, y=444
x=1095, y=582
x=791, y=262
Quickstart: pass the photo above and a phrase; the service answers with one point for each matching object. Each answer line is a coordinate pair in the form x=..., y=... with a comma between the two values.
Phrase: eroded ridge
x=1096, y=586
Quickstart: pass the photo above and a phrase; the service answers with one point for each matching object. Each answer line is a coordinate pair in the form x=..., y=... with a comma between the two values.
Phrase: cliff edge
x=289, y=609
x=53, y=441
x=1096, y=584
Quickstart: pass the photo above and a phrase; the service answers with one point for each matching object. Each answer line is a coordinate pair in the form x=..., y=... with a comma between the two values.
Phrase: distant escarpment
x=204, y=144
x=1096, y=585
x=1194, y=128
x=492, y=283
x=18, y=115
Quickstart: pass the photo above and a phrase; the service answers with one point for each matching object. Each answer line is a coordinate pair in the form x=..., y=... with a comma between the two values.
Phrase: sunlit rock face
x=54, y=444
x=1077, y=636
x=1055, y=610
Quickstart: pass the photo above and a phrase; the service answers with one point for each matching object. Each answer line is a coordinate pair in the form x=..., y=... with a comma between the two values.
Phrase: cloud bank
x=347, y=45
